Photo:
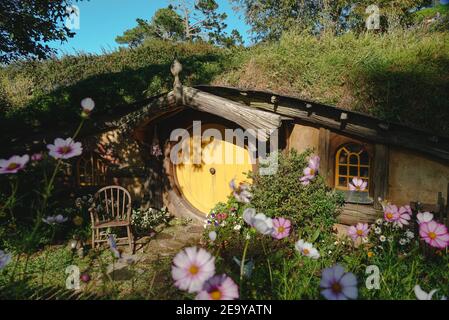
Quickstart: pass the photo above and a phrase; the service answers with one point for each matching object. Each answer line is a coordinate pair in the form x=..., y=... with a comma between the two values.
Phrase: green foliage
x=26, y=24
x=145, y=220
x=398, y=76
x=270, y=19
x=434, y=18
x=278, y=271
x=47, y=94
x=192, y=21
x=166, y=25
x=283, y=195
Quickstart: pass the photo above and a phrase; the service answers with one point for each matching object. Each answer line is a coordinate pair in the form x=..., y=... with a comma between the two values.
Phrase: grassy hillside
x=47, y=94
x=401, y=77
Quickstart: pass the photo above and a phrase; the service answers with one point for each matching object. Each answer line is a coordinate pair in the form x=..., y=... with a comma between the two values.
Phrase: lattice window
x=352, y=160
x=91, y=170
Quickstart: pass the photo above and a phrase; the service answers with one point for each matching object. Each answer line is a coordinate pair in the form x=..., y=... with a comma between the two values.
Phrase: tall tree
x=166, y=24
x=27, y=25
x=202, y=19
x=184, y=20
x=270, y=18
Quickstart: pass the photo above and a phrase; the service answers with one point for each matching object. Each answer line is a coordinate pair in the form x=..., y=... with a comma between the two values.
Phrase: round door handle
x=212, y=171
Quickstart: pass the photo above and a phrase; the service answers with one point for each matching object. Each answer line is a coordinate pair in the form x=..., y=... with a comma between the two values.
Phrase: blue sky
x=102, y=20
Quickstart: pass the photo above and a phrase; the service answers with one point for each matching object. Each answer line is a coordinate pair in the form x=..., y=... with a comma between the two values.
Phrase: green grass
x=431, y=12
x=399, y=76
x=36, y=95
x=47, y=268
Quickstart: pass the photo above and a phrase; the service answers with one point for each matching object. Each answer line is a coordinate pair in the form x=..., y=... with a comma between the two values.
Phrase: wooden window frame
x=348, y=165
x=98, y=170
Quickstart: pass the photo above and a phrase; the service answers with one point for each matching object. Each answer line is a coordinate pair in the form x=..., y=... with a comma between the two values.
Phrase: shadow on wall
x=413, y=94
x=132, y=166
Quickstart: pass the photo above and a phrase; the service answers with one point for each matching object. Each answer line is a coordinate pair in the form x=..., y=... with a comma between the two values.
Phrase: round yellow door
x=205, y=182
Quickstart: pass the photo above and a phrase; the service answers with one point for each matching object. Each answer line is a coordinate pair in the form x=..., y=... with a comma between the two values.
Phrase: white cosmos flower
x=378, y=230
x=422, y=295
x=212, y=236
x=307, y=249
x=402, y=242
x=87, y=104
x=410, y=234
x=259, y=221
x=424, y=217
x=382, y=238
x=379, y=221
x=5, y=259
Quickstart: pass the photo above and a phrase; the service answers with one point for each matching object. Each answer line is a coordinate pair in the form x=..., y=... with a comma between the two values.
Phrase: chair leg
x=93, y=238
x=130, y=239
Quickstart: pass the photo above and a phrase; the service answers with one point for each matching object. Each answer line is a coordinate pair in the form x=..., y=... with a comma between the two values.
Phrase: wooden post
x=447, y=206
x=323, y=153
x=380, y=174
x=440, y=207
x=176, y=69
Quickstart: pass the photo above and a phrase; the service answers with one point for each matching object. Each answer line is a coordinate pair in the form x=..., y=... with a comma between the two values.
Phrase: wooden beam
x=352, y=214
x=380, y=173
x=323, y=152
x=246, y=117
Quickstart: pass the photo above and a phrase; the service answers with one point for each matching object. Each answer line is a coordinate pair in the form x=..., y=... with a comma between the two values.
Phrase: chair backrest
x=112, y=203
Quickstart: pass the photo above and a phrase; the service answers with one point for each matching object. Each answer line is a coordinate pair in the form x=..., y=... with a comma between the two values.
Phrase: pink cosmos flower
x=13, y=164
x=405, y=214
x=65, y=149
x=338, y=284
x=311, y=170
x=191, y=268
x=219, y=287
x=434, y=233
x=37, y=156
x=281, y=228
x=391, y=213
x=360, y=230
x=241, y=192
x=358, y=184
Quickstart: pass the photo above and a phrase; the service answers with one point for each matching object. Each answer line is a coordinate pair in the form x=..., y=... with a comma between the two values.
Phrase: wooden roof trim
x=337, y=119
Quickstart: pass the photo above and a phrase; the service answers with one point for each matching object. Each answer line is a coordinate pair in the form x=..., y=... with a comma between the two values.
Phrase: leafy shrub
x=282, y=195
x=145, y=220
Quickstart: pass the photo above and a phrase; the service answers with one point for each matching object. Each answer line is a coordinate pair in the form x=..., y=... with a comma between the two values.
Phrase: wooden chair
x=111, y=209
